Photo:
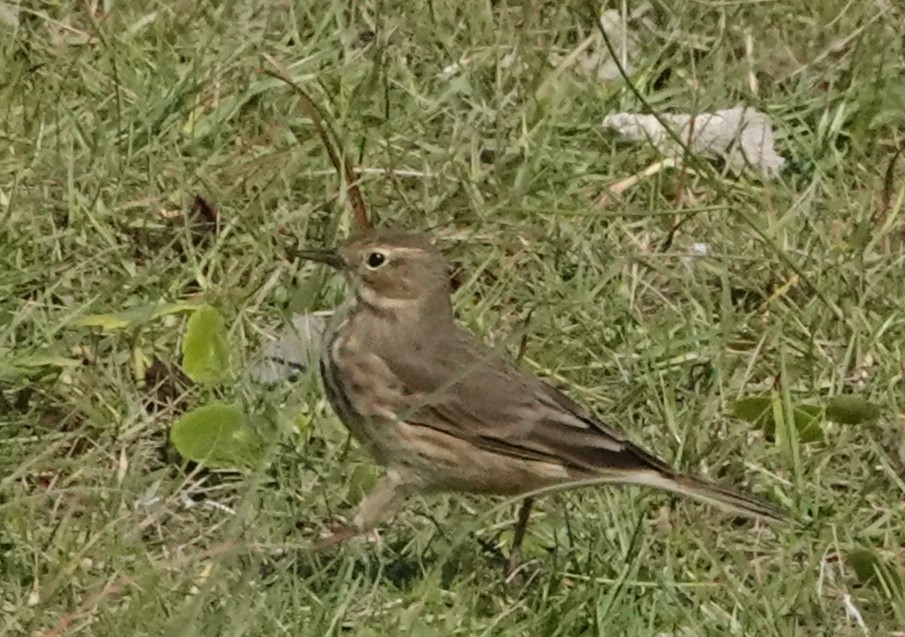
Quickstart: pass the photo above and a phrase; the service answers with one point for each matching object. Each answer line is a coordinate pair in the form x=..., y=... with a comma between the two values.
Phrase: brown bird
x=443, y=412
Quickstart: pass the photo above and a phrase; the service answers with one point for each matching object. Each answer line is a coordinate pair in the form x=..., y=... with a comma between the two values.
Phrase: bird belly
x=363, y=393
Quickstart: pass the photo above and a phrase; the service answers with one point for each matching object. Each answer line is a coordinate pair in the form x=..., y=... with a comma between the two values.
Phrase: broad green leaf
x=217, y=436
x=865, y=564
x=758, y=410
x=851, y=410
x=871, y=570
x=205, y=348
x=25, y=366
x=754, y=409
x=808, y=421
x=134, y=315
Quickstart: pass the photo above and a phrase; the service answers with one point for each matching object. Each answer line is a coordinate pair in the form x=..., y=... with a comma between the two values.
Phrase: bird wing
x=463, y=388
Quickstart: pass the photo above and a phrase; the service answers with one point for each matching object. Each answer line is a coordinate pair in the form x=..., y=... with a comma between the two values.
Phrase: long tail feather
x=721, y=497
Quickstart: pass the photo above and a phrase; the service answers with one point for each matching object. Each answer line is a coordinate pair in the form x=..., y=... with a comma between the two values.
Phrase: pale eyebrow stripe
x=402, y=250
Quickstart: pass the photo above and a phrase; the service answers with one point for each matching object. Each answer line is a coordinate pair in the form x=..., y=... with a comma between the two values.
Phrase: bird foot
x=338, y=536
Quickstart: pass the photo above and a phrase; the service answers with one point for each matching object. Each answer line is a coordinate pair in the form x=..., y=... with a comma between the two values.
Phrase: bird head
x=391, y=270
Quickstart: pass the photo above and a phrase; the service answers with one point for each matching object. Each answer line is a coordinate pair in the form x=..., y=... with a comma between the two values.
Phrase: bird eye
x=376, y=259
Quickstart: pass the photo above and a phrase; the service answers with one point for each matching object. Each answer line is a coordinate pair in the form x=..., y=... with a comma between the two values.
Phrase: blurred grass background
x=118, y=116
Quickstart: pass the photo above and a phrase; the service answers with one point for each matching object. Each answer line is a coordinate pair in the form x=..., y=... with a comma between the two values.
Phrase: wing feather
x=467, y=390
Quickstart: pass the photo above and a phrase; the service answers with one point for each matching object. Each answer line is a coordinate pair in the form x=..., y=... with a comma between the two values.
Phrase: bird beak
x=330, y=257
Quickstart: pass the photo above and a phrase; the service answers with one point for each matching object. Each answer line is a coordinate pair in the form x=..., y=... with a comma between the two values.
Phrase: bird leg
x=380, y=503
x=521, y=525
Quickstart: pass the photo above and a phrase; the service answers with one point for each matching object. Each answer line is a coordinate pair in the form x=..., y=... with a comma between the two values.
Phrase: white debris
x=592, y=56
x=598, y=59
x=742, y=136
x=294, y=351
x=150, y=497
x=451, y=70
x=9, y=14
x=855, y=614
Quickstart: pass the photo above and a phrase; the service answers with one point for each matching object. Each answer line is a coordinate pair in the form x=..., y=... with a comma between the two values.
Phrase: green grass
x=113, y=122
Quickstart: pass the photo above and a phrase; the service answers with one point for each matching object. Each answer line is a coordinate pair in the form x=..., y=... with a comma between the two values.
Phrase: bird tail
x=723, y=498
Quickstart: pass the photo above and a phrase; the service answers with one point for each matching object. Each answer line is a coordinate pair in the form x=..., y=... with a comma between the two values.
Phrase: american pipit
x=444, y=412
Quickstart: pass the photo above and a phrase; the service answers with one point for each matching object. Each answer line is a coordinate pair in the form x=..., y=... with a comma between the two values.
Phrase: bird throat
x=373, y=300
